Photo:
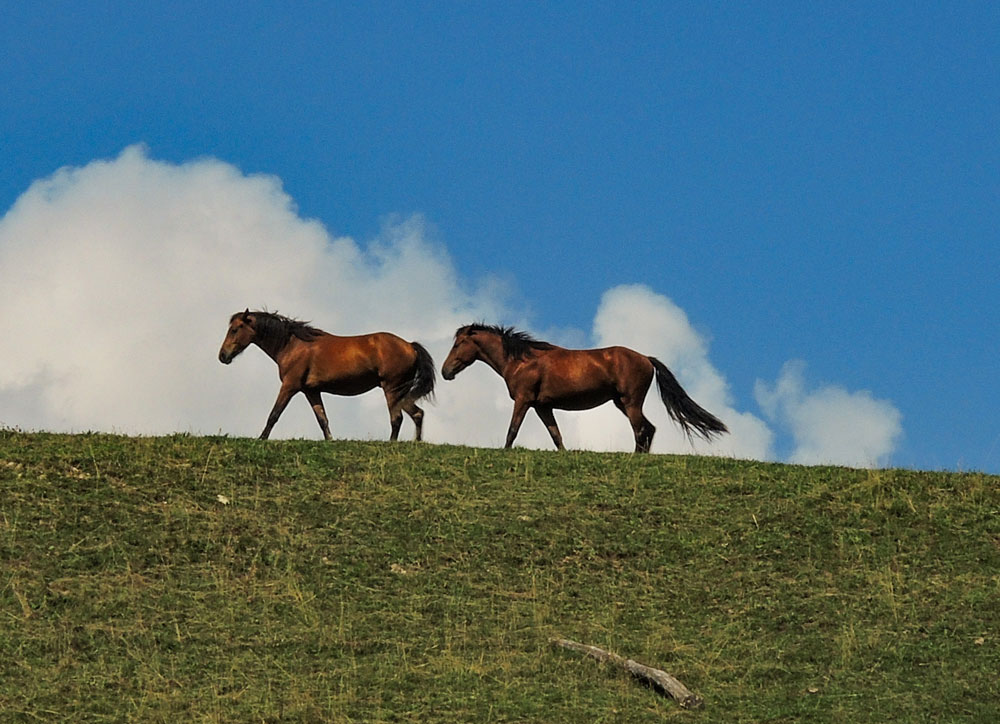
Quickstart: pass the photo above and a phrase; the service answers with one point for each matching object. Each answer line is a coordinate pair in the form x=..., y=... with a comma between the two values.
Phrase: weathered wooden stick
x=657, y=678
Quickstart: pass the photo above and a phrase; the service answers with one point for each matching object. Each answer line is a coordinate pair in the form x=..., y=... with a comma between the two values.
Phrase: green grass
x=376, y=582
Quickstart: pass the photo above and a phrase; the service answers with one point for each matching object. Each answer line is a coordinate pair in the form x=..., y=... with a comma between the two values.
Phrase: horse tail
x=687, y=413
x=424, y=376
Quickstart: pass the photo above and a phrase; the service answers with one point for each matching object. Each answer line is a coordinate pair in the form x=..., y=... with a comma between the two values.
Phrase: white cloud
x=831, y=424
x=119, y=278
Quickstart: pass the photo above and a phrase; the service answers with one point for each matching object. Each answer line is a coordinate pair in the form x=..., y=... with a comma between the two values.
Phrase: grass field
x=187, y=579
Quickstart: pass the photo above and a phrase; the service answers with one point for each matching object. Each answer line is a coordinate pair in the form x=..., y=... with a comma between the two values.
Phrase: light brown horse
x=545, y=377
x=312, y=361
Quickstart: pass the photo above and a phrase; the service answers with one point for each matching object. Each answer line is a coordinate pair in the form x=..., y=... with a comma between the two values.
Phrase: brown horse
x=312, y=361
x=545, y=377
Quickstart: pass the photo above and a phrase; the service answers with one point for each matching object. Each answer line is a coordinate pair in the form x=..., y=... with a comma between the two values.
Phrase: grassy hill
x=222, y=580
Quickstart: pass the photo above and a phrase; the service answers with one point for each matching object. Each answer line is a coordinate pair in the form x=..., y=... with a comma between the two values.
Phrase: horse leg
x=549, y=420
x=520, y=409
x=394, y=402
x=316, y=402
x=642, y=428
x=417, y=415
x=284, y=395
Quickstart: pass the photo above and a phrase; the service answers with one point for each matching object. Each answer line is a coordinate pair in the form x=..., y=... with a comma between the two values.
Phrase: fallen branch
x=658, y=679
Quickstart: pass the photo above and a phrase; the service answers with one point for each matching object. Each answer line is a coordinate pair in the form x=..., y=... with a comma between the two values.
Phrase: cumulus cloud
x=120, y=276
x=830, y=424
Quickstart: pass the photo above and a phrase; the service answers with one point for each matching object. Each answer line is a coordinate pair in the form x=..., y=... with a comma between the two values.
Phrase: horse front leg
x=316, y=402
x=284, y=395
x=520, y=409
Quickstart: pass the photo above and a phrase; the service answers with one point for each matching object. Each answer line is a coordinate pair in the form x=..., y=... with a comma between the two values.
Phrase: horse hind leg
x=395, y=422
x=417, y=415
x=644, y=442
x=642, y=428
x=394, y=401
x=398, y=402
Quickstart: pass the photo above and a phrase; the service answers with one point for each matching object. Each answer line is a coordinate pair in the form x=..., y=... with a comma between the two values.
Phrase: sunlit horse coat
x=545, y=377
x=312, y=361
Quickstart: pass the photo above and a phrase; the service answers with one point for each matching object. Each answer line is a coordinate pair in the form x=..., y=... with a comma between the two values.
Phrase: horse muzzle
x=450, y=371
x=225, y=358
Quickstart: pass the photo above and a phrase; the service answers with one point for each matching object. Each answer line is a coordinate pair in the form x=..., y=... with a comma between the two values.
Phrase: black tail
x=687, y=413
x=425, y=377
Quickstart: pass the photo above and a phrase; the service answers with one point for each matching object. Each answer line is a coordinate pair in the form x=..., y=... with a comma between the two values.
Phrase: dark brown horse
x=312, y=361
x=545, y=377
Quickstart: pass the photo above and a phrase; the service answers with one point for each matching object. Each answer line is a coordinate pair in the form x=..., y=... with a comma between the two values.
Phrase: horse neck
x=273, y=347
x=491, y=353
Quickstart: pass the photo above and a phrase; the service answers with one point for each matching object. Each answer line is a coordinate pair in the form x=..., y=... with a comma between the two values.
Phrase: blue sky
x=807, y=182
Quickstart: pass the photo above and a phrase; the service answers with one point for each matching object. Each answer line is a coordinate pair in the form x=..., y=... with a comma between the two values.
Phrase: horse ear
x=246, y=315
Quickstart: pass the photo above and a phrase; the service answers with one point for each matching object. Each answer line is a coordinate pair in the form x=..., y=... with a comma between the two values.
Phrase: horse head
x=463, y=353
x=240, y=334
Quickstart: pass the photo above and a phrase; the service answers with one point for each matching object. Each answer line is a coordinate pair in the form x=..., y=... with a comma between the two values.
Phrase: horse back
x=604, y=363
x=355, y=364
x=581, y=378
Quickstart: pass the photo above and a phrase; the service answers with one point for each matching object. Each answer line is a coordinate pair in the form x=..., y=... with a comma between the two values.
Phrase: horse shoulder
x=523, y=377
x=295, y=360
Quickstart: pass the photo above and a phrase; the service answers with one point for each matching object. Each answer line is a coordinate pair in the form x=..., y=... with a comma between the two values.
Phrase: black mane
x=516, y=345
x=277, y=329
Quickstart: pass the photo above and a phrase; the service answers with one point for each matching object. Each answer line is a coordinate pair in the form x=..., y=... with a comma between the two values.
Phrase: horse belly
x=349, y=386
x=578, y=400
